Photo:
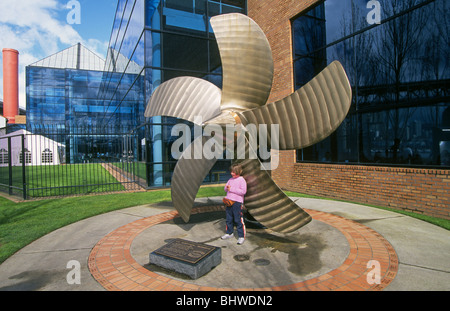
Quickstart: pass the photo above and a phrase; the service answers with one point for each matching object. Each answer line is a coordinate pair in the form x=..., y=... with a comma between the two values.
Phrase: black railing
x=12, y=177
x=53, y=161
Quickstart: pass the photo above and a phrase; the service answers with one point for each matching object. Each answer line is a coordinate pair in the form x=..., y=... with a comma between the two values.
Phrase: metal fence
x=54, y=161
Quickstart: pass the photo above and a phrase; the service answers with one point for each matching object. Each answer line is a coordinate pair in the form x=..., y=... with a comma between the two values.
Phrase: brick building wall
x=274, y=18
x=420, y=190
x=424, y=191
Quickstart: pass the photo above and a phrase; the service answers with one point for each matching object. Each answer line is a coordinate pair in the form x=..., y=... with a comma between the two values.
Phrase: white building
x=2, y=126
x=38, y=150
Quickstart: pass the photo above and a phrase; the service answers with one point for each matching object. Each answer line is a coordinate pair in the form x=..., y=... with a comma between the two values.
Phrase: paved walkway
x=345, y=247
x=123, y=177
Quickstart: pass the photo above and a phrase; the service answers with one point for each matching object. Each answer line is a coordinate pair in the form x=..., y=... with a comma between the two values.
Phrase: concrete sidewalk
x=423, y=249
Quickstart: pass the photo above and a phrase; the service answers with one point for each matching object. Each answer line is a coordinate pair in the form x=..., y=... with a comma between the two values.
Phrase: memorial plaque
x=184, y=250
x=186, y=257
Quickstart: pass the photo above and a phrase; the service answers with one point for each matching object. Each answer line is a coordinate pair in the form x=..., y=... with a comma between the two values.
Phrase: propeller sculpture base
x=186, y=257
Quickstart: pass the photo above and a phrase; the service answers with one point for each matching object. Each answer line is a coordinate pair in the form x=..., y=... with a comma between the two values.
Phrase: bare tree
x=435, y=50
x=310, y=39
x=398, y=42
x=356, y=54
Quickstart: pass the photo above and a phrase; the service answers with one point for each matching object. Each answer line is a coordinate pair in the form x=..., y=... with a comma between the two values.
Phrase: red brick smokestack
x=10, y=84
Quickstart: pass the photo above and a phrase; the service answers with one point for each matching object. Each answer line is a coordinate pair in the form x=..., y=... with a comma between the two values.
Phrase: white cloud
x=37, y=29
x=38, y=15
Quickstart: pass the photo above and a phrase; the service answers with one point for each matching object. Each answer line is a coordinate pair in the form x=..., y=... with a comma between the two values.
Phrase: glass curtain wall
x=46, y=96
x=153, y=41
x=63, y=98
x=63, y=105
x=395, y=53
x=122, y=89
x=179, y=42
x=62, y=89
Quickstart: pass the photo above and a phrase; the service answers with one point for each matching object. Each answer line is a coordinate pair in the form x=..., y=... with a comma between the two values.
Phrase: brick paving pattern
x=111, y=264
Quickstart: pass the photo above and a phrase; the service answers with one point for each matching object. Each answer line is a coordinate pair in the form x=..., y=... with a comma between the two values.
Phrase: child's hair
x=236, y=168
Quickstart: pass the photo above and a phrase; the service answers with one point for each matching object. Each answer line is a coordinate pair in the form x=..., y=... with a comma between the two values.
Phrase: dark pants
x=235, y=217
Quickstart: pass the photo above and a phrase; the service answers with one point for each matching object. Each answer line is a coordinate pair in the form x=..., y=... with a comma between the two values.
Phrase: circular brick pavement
x=111, y=264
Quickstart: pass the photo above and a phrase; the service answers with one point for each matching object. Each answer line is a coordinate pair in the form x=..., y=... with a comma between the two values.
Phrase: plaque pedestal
x=186, y=257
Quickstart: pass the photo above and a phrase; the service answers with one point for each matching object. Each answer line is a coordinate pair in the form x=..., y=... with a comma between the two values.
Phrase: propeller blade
x=187, y=98
x=264, y=200
x=247, y=62
x=267, y=203
x=310, y=114
x=190, y=171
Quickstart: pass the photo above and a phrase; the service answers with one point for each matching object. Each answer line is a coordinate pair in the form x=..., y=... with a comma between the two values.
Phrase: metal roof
x=75, y=57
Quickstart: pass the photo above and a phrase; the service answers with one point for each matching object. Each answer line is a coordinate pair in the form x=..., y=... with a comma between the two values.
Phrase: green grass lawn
x=54, y=180
x=22, y=223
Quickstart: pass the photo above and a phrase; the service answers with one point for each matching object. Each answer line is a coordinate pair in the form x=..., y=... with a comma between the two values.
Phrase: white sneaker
x=240, y=241
x=227, y=236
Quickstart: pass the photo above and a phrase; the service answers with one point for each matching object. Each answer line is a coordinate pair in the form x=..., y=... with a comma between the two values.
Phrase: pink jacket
x=238, y=188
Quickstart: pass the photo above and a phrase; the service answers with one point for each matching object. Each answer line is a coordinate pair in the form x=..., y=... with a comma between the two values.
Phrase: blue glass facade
x=68, y=97
x=63, y=97
x=46, y=96
x=399, y=70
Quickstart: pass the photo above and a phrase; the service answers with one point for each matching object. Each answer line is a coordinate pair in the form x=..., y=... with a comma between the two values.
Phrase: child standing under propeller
x=236, y=189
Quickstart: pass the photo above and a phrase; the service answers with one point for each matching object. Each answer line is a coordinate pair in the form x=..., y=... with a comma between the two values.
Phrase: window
x=309, y=35
x=47, y=156
x=27, y=156
x=4, y=157
x=399, y=76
